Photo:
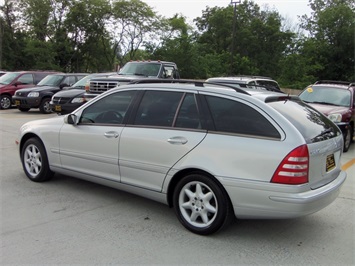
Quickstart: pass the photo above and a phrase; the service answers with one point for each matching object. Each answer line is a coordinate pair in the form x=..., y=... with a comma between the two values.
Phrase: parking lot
x=70, y=221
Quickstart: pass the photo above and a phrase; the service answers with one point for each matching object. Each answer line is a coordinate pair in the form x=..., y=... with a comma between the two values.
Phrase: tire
x=197, y=212
x=5, y=102
x=348, y=137
x=24, y=109
x=45, y=107
x=35, y=161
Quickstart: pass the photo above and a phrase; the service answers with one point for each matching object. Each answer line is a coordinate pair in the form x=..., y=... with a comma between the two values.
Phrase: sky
x=193, y=8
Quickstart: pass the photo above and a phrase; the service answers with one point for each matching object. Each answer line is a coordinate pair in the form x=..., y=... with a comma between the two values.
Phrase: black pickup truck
x=132, y=71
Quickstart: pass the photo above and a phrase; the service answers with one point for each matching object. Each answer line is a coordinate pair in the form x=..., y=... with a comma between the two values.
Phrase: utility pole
x=234, y=3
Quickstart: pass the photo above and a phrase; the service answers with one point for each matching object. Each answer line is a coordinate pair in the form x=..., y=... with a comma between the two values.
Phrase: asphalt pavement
x=67, y=221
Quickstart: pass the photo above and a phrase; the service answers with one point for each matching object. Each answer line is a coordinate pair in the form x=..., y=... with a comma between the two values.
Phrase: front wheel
x=34, y=161
x=348, y=137
x=45, y=107
x=5, y=102
x=201, y=204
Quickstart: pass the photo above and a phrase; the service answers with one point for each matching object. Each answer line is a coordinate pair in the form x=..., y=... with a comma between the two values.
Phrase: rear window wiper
x=325, y=134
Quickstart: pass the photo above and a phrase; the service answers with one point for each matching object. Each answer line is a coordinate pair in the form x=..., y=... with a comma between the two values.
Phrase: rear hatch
x=323, y=138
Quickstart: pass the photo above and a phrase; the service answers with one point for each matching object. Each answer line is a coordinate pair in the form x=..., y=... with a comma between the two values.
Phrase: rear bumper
x=273, y=201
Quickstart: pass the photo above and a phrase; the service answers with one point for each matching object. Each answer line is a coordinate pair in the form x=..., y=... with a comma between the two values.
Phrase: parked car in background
x=249, y=82
x=13, y=81
x=70, y=98
x=210, y=153
x=40, y=95
x=336, y=100
x=2, y=73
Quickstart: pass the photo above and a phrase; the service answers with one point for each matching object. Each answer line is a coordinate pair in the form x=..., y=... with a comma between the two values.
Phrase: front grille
x=99, y=86
x=60, y=100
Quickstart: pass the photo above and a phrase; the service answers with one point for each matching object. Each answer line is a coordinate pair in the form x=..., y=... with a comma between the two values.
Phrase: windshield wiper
x=325, y=134
x=323, y=103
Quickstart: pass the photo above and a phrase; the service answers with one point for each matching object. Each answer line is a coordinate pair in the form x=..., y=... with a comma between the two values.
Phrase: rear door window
x=26, y=79
x=158, y=108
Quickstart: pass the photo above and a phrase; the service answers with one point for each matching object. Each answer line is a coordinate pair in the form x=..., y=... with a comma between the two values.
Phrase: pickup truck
x=132, y=71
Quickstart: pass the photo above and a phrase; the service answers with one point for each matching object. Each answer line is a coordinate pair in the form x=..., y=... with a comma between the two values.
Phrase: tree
x=130, y=25
x=331, y=38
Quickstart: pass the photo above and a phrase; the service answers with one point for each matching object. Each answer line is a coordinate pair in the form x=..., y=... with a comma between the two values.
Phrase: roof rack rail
x=336, y=82
x=186, y=81
x=332, y=82
x=251, y=76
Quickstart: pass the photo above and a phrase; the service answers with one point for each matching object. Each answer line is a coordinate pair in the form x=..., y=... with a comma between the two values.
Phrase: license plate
x=17, y=102
x=58, y=108
x=330, y=163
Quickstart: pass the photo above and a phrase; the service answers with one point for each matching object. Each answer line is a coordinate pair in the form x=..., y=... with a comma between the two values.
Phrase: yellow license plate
x=58, y=108
x=330, y=163
x=17, y=102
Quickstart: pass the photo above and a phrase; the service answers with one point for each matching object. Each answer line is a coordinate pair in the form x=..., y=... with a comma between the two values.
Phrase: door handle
x=111, y=134
x=177, y=140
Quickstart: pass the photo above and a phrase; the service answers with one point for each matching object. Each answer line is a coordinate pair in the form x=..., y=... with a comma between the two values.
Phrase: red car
x=13, y=81
x=336, y=100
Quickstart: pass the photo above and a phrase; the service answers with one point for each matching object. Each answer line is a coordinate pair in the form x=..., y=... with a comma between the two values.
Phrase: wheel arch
x=26, y=137
x=180, y=174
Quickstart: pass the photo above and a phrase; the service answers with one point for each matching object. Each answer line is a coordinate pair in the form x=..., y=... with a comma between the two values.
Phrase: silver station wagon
x=211, y=152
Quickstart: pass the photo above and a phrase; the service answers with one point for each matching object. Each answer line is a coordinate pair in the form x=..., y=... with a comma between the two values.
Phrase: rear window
x=311, y=124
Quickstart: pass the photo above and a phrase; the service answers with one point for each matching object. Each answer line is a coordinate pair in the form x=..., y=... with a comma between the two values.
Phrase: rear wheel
x=45, y=107
x=5, y=101
x=34, y=161
x=201, y=204
x=348, y=137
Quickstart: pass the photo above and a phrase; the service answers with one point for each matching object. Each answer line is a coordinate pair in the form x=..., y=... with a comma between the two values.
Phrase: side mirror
x=71, y=119
x=17, y=83
x=61, y=86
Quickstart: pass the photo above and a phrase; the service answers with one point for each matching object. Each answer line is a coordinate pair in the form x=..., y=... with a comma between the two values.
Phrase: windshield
x=51, y=80
x=9, y=77
x=82, y=82
x=326, y=95
x=141, y=69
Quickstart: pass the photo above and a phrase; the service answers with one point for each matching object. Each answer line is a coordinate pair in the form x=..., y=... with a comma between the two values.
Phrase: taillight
x=293, y=169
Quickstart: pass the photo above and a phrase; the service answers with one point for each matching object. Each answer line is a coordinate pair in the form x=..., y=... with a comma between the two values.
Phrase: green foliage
x=98, y=35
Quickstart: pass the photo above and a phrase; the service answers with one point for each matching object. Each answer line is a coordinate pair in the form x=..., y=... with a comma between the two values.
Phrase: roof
x=239, y=79
x=334, y=84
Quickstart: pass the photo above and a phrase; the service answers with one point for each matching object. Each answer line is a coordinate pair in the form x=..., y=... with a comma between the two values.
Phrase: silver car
x=210, y=152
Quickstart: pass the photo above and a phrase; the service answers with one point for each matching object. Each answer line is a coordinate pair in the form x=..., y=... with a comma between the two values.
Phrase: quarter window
x=236, y=117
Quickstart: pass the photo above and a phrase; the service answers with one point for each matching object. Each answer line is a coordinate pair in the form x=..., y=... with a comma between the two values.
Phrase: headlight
x=78, y=100
x=336, y=118
x=33, y=94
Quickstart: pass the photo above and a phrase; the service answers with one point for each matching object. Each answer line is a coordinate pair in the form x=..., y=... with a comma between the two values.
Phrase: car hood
x=39, y=88
x=69, y=93
x=329, y=109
